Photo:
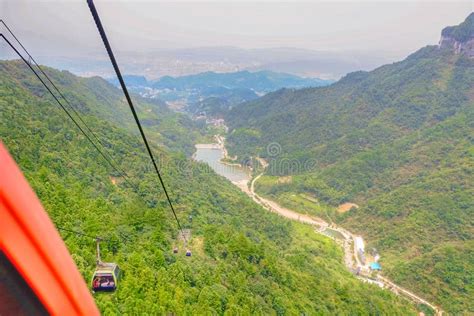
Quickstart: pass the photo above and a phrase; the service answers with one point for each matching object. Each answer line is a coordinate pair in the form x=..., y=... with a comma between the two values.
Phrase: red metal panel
x=30, y=241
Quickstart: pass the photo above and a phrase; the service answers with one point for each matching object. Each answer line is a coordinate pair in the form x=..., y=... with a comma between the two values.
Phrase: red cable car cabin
x=37, y=273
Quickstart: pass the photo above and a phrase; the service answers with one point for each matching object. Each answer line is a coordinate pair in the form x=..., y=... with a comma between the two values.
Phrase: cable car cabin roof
x=107, y=265
x=35, y=252
x=106, y=268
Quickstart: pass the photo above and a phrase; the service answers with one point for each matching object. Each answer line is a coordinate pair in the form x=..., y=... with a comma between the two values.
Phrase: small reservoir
x=212, y=155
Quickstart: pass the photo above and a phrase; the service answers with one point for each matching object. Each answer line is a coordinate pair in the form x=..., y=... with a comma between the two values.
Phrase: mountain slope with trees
x=245, y=260
x=96, y=98
x=398, y=141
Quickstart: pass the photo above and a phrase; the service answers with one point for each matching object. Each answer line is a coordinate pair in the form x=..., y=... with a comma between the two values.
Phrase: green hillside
x=95, y=97
x=398, y=141
x=245, y=259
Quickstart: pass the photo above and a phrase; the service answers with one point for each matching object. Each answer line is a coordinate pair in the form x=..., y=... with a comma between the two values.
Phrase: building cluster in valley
x=361, y=257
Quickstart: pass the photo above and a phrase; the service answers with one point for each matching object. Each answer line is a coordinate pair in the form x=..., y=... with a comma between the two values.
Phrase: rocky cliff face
x=465, y=48
x=459, y=38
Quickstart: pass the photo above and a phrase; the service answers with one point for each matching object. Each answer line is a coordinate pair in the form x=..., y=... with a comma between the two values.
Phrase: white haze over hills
x=158, y=38
x=179, y=62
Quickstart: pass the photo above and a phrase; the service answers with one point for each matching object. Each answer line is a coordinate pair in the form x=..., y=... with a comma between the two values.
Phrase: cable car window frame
x=117, y=272
x=110, y=276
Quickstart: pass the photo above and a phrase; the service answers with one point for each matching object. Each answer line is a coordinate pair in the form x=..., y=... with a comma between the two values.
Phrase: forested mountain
x=245, y=259
x=95, y=97
x=398, y=141
x=261, y=81
x=219, y=101
x=214, y=93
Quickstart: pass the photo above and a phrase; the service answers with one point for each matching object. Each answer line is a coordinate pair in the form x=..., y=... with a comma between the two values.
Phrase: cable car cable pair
x=64, y=108
x=31, y=59
x=28, y=62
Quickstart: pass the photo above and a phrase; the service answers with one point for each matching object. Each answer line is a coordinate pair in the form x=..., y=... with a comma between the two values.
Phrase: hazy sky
x=397, y=27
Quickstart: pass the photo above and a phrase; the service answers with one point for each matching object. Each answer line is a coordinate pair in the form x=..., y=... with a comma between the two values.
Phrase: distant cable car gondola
x=106, y=275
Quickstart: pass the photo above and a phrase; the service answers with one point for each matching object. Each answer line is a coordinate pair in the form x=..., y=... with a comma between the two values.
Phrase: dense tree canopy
x=398, y=141
x=245, y=260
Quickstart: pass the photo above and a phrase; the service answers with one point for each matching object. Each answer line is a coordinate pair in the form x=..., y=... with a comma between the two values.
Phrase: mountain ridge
x=262, y=81
x=459, y=38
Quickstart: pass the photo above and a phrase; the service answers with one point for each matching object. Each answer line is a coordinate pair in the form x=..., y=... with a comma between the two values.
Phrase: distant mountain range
x=261, y=81
x=215, y=93
x=188, y=61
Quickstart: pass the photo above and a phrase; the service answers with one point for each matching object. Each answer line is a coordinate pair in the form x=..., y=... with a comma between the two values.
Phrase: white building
x=359, y=244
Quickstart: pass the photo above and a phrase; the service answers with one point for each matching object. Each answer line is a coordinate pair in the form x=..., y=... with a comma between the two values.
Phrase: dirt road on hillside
x=350, y=259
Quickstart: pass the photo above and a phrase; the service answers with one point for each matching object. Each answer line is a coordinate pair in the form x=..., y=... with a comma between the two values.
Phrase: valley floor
x=351, y=260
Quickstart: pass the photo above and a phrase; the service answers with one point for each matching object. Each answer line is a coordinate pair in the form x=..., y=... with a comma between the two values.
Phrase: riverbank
x=207, y=146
